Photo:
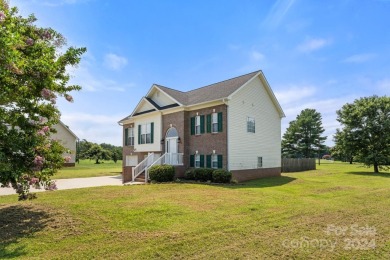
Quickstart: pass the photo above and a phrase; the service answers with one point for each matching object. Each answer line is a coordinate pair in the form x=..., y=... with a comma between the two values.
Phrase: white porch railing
x=143, y=165
x=166, y=158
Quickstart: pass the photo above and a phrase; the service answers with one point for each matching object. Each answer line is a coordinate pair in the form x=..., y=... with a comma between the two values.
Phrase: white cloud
x=114, y=62
x=294, y=93
x=359, y=58
x=313, y=45
x=95, y=128
x=277, y=13
x=83, y=76
x=256, y=56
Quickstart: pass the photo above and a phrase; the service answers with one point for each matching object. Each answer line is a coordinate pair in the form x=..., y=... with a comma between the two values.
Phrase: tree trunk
x=97, y=161
x=376, y=170
x=350, y=160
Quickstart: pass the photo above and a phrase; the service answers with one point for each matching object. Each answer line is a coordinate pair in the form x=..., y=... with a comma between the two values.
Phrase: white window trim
x=197, y=125
x=145, y=133
x=130, y=137
x=214, y=159
x=214, y=121
x=259, y=162
x=197, y=159
x=248, y=127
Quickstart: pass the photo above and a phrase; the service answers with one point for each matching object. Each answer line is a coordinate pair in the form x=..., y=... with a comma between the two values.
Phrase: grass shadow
x=263, y=182
x=381, y=174
x=18, y=222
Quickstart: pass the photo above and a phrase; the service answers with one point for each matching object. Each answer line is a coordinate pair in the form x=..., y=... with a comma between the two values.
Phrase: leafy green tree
x=303, y=137
x=32, y=76
x=366, y=130
x=97, y=153
x=343, y=149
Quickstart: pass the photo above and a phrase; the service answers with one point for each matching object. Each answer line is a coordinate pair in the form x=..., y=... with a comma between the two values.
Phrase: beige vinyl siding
x=67, y=139
x=243, y=148
x=162, y=99
x=145, y=119
x=145, y=106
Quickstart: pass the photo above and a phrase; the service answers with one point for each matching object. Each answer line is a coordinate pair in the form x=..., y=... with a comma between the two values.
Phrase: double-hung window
x=259, y=162
x=214, y=124
x=250, y=125
x=145, y=134
x=214, y=161
x=197, y=160
x=197, y=125
x=130, y=136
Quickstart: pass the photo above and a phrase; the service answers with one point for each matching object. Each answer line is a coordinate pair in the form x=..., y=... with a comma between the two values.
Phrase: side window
x=214, y=161
x=130, y=138
x=259, y=162
x=197, y=160
x=250, y=125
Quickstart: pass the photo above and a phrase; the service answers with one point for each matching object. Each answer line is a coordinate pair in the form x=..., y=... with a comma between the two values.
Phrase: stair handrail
x=137, y=170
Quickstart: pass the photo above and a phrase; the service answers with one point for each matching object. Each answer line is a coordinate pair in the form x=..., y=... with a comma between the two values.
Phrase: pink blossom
x=41, y=132
x=45, y=129
x=38, y=162
x=2, y=16
x=34, y=181
x=46, y=94
x=67, y=158
x=29, y=41
x=46, y=35
x=69, y=98
x=53, y=101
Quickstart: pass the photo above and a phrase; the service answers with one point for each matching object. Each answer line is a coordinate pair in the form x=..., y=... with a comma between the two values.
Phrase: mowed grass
x=88, y=168
x=271, y=218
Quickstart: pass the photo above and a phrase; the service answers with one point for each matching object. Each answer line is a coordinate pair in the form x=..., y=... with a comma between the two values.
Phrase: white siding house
x=68, y=139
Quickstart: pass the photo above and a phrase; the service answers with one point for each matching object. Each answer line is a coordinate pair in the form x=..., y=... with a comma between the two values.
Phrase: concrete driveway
x=66, y=184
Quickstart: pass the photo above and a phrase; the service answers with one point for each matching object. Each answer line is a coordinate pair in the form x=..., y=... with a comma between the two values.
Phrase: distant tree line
x=93, y=151
x=364, y=136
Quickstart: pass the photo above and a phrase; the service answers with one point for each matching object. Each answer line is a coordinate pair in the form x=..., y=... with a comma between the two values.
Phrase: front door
x=171, y=149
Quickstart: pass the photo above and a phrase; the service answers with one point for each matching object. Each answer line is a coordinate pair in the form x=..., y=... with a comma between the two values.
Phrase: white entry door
x=171, y=149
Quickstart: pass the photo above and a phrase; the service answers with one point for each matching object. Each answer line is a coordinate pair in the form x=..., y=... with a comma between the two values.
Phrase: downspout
x=225, y=101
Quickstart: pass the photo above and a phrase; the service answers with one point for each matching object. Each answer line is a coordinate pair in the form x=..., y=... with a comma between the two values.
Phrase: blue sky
x=315, y=54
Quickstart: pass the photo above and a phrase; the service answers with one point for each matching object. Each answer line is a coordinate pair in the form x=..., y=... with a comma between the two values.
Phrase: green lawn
x=88, y=168
x=273, y=218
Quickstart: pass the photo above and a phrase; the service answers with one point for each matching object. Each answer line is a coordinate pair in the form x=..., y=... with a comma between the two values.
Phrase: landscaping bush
x=190, y=174
x=162, y=173
x=204, y=174
x=221, y=176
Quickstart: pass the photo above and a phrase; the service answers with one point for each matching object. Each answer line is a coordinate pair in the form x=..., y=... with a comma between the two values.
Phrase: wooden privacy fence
x=298, y=165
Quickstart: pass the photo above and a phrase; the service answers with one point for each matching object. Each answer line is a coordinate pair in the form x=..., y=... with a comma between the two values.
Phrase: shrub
x=221, y=176
x=190, y=174
x=204, y=174
x=162, y=173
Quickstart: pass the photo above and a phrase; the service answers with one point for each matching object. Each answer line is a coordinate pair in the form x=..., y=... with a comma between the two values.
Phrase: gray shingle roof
x=211, y=92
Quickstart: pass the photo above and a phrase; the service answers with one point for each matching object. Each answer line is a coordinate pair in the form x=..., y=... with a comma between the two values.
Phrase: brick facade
x=252, y=174
x=207, y=142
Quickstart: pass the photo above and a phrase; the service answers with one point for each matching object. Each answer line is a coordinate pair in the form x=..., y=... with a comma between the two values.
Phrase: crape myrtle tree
x=32, y=76
x=366, y=131
x=303, y=138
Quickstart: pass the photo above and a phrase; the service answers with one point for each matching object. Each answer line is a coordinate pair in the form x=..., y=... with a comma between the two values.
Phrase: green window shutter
x=192, y=125
x=208, y=123
x=220, y=122
x=208, y=161
x=151, y=132
x=201, y=161
x=219, y=160
x=202, y=124
x=126, y=135
x=139, y=134
x=192, y=160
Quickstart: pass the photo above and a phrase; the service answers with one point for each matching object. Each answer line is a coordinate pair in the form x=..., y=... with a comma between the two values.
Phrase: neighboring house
x=234, y=124
x=68, y=139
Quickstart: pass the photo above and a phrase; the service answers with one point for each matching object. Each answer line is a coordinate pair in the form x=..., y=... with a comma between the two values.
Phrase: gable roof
x=67, y=128
x=211, y=92
x=216, y=91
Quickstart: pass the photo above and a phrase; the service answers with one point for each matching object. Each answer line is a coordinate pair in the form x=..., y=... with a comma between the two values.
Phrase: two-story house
x=233, y=124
